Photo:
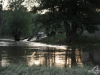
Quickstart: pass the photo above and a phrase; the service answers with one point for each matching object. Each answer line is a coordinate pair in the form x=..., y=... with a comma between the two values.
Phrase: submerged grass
x=21, y=69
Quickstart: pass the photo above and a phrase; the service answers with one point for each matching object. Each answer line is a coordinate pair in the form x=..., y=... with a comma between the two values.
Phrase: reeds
x=21, y=69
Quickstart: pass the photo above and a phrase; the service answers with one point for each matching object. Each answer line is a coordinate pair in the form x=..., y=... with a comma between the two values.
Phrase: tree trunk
x=30, y=37
x=73, y=57
x=16, y=37
x=71, y=33
x=74, y=33
x=91, y=57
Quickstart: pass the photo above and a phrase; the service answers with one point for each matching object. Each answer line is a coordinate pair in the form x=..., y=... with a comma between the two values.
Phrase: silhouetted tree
x=75, y=14
x=17, y=21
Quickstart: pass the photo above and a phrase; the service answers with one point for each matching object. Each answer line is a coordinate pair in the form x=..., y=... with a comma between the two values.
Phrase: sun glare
x=5, y=3
x=27, y=3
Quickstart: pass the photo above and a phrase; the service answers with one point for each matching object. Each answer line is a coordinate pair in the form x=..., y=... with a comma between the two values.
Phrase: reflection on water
x=46, y=56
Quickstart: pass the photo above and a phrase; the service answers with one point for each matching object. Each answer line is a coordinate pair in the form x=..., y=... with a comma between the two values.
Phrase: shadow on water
x=47, y=56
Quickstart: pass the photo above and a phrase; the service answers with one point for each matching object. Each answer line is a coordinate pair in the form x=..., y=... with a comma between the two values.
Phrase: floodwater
x=33, y=53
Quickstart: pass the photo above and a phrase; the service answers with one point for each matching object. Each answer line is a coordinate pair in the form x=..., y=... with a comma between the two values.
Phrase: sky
x=26, y=3
x=5, y=2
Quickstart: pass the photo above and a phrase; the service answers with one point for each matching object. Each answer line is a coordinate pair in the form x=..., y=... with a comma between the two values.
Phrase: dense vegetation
x=67, y=18
x=21, y=69
x=61, y=16
x=17, y=21
x=75, y=16
x=60, y=39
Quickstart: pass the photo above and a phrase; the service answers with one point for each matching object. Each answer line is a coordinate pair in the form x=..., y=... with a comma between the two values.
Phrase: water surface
x=33, y=53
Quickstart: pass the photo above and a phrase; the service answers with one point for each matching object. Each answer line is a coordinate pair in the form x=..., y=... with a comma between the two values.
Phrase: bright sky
x=5, y=2
x=26, y=3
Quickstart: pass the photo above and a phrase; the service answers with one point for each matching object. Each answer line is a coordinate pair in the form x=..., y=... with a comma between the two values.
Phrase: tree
x=74, y=14
x=1, y=18
x=17, y=21
x=48, y=23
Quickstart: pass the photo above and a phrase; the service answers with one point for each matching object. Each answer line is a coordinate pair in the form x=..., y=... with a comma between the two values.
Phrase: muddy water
x=33, y=53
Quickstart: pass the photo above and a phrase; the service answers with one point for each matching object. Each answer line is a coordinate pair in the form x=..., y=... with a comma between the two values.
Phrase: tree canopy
x=17, y=21
x=74, y=14
x=0, y=15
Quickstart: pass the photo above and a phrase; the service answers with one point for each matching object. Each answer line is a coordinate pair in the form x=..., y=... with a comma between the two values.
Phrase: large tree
x=17, y=20
x=74, y=14
x=0, y=15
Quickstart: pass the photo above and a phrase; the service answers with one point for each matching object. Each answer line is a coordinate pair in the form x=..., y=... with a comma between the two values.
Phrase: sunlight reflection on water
x=42, y=54
x=10, y=42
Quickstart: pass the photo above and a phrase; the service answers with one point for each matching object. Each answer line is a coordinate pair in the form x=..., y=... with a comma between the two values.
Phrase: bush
x=17, y=23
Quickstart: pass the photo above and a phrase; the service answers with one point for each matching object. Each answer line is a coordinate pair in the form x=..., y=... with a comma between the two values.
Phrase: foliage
x=17, y=22
x=37, y=25
x=1, y=18
x=46, y=22
x=21, y=69
x=56, y=39
x=17, y=5
x=74, y=14
x=60, y=39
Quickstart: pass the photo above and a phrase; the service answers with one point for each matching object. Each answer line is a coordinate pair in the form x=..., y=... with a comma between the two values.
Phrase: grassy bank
x=62, y=40
x=56, y=39
x=21, y=69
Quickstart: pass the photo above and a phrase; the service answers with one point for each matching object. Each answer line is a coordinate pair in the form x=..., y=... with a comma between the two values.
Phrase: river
x=33, y=53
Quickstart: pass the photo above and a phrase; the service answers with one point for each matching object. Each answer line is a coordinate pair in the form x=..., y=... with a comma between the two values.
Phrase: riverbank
x=60, y=39
x=22, y=69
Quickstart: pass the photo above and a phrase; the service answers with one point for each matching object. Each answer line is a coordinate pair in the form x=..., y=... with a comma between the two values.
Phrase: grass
x=21, y=69
x=56, y=39
x=88, y=40
x=60, y=39
x=6, y=37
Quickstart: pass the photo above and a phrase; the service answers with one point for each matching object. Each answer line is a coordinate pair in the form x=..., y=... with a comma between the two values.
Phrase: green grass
x=88, y=40
x=81, y=40
x=21, y=69
x=56, y=39
x=6, y=37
